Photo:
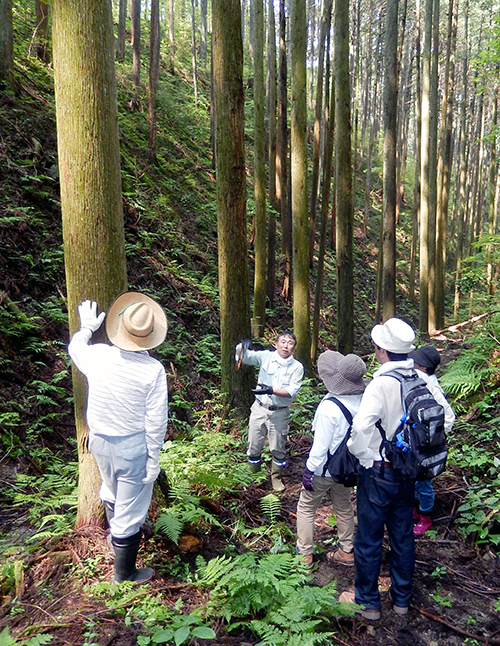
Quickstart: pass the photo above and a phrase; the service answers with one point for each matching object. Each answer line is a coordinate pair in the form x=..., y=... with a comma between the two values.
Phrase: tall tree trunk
x=203, y=32
x=462, y=180
x=432, y=318
x=42, y=49
x=327, y=8
x=493, y=179
x=120, y=41
x=389, y=189
x=281, y=158
x=231, y=194
x=135, y=19
x=260, y=241
x=154, y=73
x=416, y=188
x=171, y=35
x=329, y=127
x=298, y=153
x=91, y=198
x=424, y=169
x=6, y=45
x=271, y=130
x=444, y=164
x=343, y=181
x=193, y=54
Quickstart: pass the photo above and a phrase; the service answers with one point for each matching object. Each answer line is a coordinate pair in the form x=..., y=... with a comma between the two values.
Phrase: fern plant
x=270, y=596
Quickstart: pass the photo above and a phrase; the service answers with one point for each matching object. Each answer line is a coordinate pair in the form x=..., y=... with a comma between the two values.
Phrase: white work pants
x=122, y=465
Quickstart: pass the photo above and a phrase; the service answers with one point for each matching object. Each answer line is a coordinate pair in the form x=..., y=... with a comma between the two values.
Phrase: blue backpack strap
x=348, y=415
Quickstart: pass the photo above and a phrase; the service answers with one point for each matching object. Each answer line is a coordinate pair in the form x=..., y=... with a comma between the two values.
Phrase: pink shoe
x=424, y=523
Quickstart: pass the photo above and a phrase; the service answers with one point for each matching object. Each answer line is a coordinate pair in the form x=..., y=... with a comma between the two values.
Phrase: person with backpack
x=127, y=411
x=343, y=378
x=384, y=497
x=426, y=359
x=279, y=381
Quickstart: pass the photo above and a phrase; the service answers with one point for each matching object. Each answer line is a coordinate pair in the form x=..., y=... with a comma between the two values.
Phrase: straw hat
x=342, y=375
x=395, y=336
x=136, y=322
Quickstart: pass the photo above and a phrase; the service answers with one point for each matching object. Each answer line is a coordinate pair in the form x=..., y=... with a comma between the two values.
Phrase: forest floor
x=456, y=583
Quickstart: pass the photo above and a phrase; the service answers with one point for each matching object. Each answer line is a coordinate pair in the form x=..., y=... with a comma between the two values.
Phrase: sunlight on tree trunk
x=91, y=198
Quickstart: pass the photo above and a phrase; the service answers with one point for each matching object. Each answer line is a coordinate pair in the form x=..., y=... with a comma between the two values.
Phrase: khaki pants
x=307, y=506
x=274, y=425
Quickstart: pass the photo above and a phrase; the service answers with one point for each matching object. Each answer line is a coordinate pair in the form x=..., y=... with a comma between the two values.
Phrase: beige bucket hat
x=342, y=375
x=136, y=322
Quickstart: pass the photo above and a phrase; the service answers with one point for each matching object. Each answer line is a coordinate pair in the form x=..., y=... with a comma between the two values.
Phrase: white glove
x=152, y=471
x=88, y=315
x=237, y=352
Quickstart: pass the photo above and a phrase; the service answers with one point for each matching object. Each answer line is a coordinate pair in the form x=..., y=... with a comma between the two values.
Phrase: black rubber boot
x=125, y=556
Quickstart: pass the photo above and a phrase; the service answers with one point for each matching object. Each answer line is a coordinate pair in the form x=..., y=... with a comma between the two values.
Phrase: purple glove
x=307, y=479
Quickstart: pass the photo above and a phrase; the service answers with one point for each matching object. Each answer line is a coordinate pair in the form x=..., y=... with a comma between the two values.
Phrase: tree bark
x=271, y=121
x=343, y=181
x=424, y=170
x=260, y=241
x=203, y=32
x=298, y=153
x=6, y=46
x=135, y=19
x=154, y=73
x=120, y=41
x=231, y=194
x=389, y=188
x=42, y=49
x=171, y=36
x=91, y=198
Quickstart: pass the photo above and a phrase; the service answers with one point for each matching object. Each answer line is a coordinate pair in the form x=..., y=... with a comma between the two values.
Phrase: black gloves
x=262, y=389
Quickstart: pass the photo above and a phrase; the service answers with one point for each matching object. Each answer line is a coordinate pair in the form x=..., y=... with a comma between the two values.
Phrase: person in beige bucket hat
x=127, y=409
x=343, y=378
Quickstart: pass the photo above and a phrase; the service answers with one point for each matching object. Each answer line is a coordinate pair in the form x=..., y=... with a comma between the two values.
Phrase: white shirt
x=329, y=427
x=437, y=392
x=278, y=373
x=381, y=401
x=127, y=390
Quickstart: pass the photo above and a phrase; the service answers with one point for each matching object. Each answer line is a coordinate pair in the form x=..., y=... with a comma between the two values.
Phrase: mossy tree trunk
x=300, y=220
x=231, y=194
x=91, y=198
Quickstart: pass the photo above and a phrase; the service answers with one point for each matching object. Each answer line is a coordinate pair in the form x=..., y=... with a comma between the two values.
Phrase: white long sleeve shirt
x=278, y=373
x=127, y=390
x=329, y=426
x=381, y=401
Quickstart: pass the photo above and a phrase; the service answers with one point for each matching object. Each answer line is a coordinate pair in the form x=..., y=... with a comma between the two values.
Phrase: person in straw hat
x=384, y=498
x=343, y=378
x=127, y=411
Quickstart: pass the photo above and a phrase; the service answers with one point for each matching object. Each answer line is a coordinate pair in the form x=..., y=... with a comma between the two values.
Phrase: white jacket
x=381, y=402
x=329, y=427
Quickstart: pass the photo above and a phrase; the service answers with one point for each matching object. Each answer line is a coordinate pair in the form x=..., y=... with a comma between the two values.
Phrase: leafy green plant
x=163, y=625
x=481, y=512
x=37, y=640
x=272, y=593
x=271, y=506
